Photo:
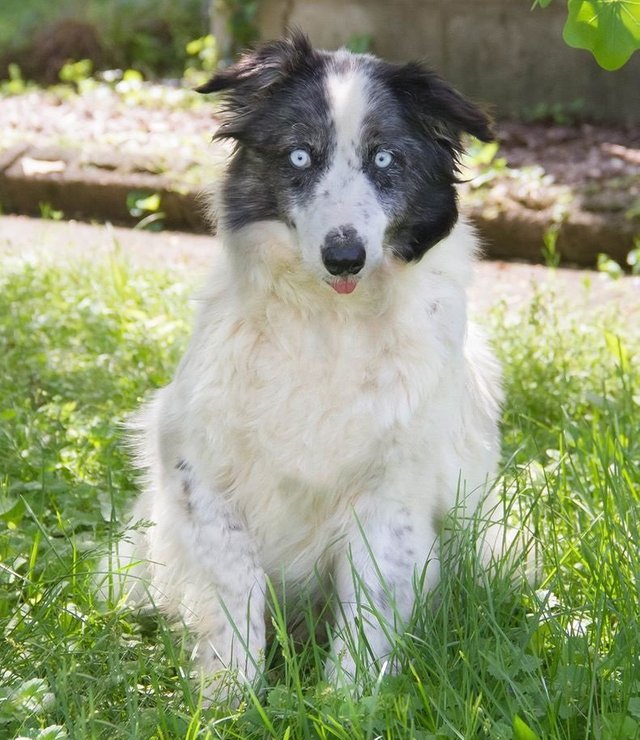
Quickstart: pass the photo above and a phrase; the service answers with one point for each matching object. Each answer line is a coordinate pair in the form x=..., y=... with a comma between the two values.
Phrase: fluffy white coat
x=319, y=430
x=310, y=437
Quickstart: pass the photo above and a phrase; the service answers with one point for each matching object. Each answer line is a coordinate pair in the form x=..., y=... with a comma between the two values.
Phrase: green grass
x=80, y=347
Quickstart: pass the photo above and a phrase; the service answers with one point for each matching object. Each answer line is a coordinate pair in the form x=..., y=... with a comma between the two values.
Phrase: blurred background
x=97, y=119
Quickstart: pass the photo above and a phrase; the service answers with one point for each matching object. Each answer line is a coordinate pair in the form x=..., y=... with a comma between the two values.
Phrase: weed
x=550, y=252
x=565, y=113
x=633, y=258
x=16, y=84
x=613, y=269
x=146, y=206
x=203, y=57
x=609, y=266
x=48, y=212
x=78, y=74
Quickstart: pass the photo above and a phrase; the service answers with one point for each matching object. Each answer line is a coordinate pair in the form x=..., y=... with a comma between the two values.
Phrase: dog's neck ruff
x=265, y=265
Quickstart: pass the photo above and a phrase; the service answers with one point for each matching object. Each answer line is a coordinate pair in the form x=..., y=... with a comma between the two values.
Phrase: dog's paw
x=340, y=670
x=227, y=687
x=355, y=678
x=227, y=683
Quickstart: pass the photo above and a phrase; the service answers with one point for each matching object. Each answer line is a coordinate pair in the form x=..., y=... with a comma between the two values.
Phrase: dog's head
x=356, y=156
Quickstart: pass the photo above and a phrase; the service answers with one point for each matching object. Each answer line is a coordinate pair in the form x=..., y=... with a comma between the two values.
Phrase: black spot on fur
x=257, y=625
x=400, y=531
x=231, y=524
x=379, y=597
x=432, y=117
x=186, y=495
x=221, y=628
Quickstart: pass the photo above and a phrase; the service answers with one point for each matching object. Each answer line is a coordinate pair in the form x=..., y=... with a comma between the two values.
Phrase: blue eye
x=383, y=159
x=300, y=158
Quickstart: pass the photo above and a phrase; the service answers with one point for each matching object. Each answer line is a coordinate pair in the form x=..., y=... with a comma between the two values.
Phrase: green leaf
x=194, y=47
x=609, y=266
x=609, y=29
x=522, y=731
x=11, y=510
x=634, y=706
x=140, y=202
x=615, y=725
x=75, y=72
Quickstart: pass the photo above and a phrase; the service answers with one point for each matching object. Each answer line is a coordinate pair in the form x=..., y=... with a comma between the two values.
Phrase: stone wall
x=496, y=51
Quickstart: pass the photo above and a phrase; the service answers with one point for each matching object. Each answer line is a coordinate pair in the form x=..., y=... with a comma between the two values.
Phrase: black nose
x=343, y=252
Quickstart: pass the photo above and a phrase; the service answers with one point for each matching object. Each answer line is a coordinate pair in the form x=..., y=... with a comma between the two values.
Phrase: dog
x=334, y=404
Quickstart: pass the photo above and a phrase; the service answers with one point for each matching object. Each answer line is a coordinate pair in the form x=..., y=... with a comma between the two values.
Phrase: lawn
x=81, y=346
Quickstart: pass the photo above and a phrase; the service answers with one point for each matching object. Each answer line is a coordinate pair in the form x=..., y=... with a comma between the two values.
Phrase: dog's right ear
x=258, y=71
x=256, y=75
x=251, y=80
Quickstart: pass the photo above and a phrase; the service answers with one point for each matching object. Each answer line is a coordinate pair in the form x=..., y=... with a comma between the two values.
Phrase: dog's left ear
x=436, y=106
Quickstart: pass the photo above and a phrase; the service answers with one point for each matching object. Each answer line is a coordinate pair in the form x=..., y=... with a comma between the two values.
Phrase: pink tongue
x=344, y=285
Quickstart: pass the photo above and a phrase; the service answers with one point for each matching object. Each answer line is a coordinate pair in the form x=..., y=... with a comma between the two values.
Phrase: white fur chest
x=283, y=398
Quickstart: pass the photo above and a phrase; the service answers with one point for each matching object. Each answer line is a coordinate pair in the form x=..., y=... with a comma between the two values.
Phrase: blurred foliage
x=15, y=84
x=203, y=58
x=360, y=43
x=146, y=206
x=241, y=16
x=149, y=35
x=152, y=35
x=614, y=270
x=565, y=113
x=76, y=73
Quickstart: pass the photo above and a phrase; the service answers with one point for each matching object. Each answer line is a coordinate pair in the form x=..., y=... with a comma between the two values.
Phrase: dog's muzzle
x=343, y=251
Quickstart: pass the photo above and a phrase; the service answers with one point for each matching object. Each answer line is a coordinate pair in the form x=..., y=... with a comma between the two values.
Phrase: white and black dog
x=334, y=403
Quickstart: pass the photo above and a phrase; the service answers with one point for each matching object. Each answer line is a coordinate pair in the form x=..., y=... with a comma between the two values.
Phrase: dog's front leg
x=388, y=557
x=220, y=582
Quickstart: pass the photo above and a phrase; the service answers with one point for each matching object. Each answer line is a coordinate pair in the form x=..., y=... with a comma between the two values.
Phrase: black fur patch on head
x=274, y=102
x=434, y=117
